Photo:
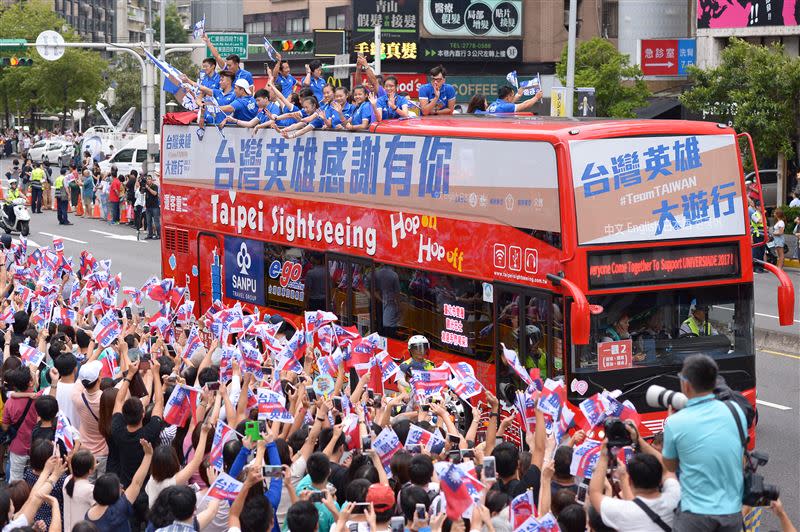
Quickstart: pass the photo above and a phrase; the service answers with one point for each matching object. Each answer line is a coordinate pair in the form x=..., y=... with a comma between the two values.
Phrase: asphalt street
x=778, y=372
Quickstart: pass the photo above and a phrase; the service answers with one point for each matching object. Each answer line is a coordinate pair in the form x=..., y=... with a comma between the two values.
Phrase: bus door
x=529, y=322
x=349, y=296
x=209, y=269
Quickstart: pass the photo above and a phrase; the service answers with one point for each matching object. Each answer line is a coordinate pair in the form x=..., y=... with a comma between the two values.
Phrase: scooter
x=22, y=218
x=772, y=255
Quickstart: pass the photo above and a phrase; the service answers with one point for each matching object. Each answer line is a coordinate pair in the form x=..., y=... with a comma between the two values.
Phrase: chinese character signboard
x=470, y=49
x=667, y=57
x=407, y=84
x=244, y=270
x=656, y=188
x=484, y=18
x=745, y=14
x=614, y=355
x=229, y=43
x=399, y=28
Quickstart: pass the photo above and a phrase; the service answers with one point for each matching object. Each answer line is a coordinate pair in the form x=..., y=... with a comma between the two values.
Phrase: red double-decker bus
x=603, y=251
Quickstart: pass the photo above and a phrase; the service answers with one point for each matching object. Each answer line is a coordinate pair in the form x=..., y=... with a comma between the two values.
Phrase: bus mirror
x=785, y=294
x=580, y=314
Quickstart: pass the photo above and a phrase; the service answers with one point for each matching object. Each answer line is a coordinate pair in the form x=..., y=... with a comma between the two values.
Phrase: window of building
x=254, y=27
x=297, y=25
x=295, y=279
x=335, y=22
x=610, y=19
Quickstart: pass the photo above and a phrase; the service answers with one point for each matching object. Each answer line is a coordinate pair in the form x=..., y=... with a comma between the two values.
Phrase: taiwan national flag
x=584, y=458
x=222, y=433
x=65, y=316
x=30, y=355
x=427, y=383
x=7, y=316
x=136, y=295
x=513, y=362
x=107, y=329
x=453, y=485
x=464, y=383
x=193, y=344
x=225, y=488
x=330, y=364
x=316, y=320
x=110, y=366
x=623, y=410
x=181, y=403
x=553, y=398
x=594, y=411
x=289, y=356
x=522, y=507
x=160, y=291
x=58, y=245
x=428, y=440
x=65, y=432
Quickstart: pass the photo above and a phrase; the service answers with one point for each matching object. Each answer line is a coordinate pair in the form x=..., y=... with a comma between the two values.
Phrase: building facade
x=93, y=20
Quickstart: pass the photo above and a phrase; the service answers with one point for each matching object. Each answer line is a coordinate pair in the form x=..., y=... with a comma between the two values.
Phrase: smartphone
x=353, y=527
x=251, y=429
x=426, y=408
x=272, y=471
x=150, y=341
x=337, y=403
x=454, y=439
x=370, y=394
x=361, y=507
x=580, y=496
x=262, y=426
x=467, y=453
x=142, y=315
x=419, y=512
x=489, y=470
x=312, y=395
x=455, y=456
x=337, y=420
x=366, y=443
x=317, y=496
x=414, y=448
x=377, y=400
x=397, y=524
x=212, y=386
x=268, y=371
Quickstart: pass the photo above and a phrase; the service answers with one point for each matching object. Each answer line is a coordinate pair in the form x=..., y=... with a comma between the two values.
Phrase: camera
x=616, y=433
x=658, y=396
x=756, y=492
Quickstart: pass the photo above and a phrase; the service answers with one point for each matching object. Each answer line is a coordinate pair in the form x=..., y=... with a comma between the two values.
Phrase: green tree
x=755, y=87
x=619, y=86
x=47, y=86
x=173, y=26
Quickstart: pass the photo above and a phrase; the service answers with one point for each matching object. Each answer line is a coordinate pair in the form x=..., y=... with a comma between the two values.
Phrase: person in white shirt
x=78, y=492
x=795, y=199
x=655, y=492
x=67, y=366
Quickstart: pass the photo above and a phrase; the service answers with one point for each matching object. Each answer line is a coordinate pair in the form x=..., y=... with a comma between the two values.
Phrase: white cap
x=243, y=84
x=90, y=371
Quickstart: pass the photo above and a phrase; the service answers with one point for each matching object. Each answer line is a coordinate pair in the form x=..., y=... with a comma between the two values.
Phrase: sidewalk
x=791, y=241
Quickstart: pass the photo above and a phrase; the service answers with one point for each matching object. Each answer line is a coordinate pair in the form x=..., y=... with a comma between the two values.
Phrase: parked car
x=54, y=151
x=130, y=157
x=769, y=186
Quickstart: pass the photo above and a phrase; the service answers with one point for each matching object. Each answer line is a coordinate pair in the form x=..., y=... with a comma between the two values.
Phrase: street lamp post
x=80, y=102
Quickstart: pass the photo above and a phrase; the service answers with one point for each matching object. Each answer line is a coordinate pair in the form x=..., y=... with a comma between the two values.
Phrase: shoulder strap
x=735, y=415
x=18, y=423
x=652, y=515
x=86, y=402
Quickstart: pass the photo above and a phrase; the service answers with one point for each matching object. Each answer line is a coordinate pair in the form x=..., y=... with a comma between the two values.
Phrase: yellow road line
x=779, y=353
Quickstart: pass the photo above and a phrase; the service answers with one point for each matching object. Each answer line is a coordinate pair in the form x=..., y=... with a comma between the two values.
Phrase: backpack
x=723, y=392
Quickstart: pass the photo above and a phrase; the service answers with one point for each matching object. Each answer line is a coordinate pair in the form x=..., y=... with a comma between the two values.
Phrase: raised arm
x=214, y=53
x=253, y=477
x=182, y=477
x=277, y=68
x=527, y=104
x=122, y=394
x=158, y=392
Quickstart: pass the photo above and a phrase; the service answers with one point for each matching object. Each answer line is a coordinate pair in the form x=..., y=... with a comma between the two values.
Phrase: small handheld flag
x=271, y=52
x=199, y=28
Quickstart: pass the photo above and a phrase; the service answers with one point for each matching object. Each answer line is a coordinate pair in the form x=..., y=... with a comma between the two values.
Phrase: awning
x=669, y=107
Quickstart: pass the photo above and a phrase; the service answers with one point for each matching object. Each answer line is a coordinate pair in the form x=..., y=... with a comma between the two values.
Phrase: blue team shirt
x=386, y=111
x=317, y=123
x=244, y=108
x=330, y=113
x=286, y=84
x=446, y=93
x=273, y=107
x=364, y=111
x=224, y=98
x=211, y=82
x=316, y=87
x=287, y=121
x=502, y=106
x=242, y=73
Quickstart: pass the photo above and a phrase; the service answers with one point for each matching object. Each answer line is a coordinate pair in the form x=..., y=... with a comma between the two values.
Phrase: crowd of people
x=81, y=186
x=118, y=419
x=293, y=108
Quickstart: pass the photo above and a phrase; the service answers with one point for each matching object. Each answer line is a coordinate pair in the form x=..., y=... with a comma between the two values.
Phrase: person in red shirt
x=21, y=381
x=114, y=196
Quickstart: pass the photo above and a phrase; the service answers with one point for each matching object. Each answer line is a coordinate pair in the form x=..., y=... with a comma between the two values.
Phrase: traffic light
x=16, y=62
x=300, y=46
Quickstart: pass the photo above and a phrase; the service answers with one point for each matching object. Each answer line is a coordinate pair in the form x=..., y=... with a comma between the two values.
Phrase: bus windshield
x=661, y=328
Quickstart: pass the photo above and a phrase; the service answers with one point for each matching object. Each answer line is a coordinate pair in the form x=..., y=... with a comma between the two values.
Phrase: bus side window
x=557, y=351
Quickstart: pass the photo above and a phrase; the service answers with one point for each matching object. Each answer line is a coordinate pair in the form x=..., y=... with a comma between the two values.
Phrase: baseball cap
x=90, y=371
x=243, y=84
x=381, y=496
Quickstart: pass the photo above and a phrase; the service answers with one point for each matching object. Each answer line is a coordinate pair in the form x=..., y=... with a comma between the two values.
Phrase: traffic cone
x=29, y=198
x=123, y=213
x=96, y=213
x=79, y=208
x=2, y=194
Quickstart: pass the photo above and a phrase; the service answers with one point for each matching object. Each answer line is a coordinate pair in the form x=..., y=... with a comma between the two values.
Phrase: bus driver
x=697, y=323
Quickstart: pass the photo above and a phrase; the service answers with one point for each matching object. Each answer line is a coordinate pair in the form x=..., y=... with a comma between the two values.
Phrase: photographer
x=702, y=440
x=656, y=491
x=152, y=204
x=140, y=198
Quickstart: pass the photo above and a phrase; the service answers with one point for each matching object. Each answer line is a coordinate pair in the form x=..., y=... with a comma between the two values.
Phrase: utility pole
x=162, y=30
x=573, y=21
x=149, y=111
x=377, y=67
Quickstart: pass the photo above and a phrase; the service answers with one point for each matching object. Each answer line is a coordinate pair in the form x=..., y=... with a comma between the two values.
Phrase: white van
x=130, y=157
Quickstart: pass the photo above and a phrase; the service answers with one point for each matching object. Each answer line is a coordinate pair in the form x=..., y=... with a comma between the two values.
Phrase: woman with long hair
x=778, y=239
x=78, y=491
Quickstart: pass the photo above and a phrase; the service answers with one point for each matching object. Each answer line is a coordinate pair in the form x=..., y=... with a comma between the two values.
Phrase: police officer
x=418, y=349
x=12, y=194
x=697, y=323
x=62, y=198
x=37, y=186
x=756, y=233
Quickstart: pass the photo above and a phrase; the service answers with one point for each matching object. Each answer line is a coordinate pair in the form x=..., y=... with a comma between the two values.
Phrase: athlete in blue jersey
x=507, y=101
x=437, y=97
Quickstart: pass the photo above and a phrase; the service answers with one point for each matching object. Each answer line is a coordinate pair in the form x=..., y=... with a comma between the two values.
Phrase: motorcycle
x=771, y=254
x=22, y=218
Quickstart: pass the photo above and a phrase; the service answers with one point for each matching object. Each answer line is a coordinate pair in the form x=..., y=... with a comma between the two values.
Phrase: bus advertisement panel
x=657, y=188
